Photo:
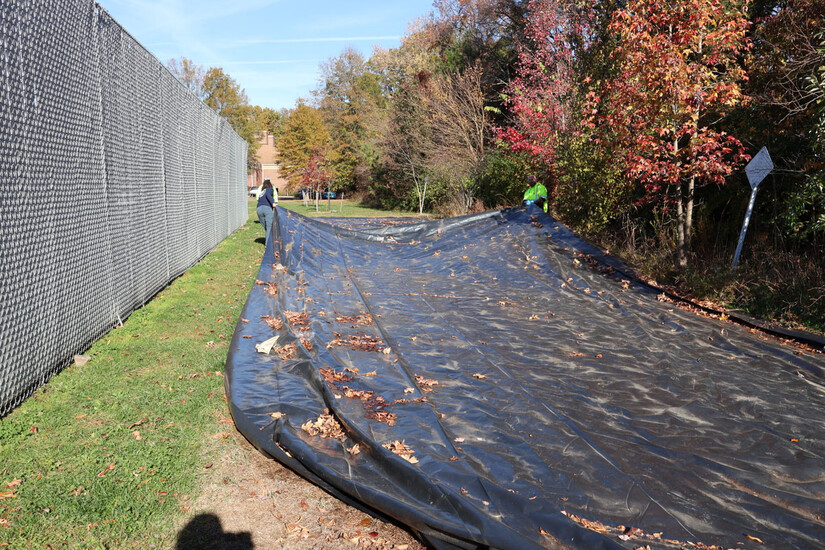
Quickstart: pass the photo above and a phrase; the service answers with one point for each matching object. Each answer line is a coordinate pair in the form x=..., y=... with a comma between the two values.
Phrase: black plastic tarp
x=507, y=388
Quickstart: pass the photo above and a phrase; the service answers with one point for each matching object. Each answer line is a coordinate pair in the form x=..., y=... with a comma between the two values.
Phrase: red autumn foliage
x=540, y=92
x=678, y=71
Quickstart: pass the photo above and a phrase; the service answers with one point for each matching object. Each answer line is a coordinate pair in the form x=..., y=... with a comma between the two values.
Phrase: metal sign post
x=756, y=170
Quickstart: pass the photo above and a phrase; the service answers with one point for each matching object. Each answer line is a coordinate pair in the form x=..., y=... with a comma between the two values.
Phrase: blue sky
x=272, y=48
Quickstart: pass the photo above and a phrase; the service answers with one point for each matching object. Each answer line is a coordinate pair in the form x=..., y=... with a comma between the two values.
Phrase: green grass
x=349, y=209
x=109, y=454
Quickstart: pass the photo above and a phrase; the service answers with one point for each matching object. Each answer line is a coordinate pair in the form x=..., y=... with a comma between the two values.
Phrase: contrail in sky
x=324, y=39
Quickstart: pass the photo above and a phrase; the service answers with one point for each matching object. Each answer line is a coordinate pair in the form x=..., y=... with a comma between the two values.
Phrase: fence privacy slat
x=114, y=179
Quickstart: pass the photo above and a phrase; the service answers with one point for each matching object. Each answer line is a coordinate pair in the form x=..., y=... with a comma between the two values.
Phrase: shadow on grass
x=204, y=532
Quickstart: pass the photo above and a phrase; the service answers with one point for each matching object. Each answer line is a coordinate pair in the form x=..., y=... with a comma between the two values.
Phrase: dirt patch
x=251, y=501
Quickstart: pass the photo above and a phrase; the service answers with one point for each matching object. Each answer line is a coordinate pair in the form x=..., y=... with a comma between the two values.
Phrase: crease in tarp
x=567, y=396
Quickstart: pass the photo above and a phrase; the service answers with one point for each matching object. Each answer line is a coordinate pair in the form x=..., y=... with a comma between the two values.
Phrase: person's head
x=531, y=180
x=267, y=184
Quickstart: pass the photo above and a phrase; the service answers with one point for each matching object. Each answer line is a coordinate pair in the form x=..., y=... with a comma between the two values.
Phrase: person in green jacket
x=536, y=193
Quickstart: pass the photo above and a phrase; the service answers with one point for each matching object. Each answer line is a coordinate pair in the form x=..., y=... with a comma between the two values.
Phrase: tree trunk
x=680, y=228
x=689, y=213
x=681, y=216
x=422, y=196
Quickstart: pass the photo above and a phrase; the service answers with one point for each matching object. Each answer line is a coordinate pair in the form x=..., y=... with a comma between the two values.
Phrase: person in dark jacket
x=266, y=202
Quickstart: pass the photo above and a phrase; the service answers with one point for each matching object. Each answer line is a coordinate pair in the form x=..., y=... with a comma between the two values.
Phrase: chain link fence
x=114, y=179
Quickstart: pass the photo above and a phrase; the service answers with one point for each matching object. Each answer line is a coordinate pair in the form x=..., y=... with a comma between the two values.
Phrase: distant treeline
x=638, y=115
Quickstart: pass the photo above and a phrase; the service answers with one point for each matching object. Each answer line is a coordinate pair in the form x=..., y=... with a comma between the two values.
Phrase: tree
x=222, y=93
x=478, y=33
x=189, y=74
x=562, y=49
x=541, y=92
x=787, y=52
x=787, y=84
x=224, y=96
x=316, y=175
x=404, y=140
x=678, y=70
x=348, y=97
x=303, y=133
x=459, y=130
x=268, y=119
x=398, y=67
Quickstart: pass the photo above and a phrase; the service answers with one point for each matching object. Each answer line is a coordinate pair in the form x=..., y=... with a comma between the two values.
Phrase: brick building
x=267, y=156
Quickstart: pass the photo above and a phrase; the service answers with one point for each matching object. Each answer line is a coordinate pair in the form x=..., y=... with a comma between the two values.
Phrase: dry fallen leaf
x=362, y=319
x=402, y=449
x=273, y=322
x=298, y=321
x=426, y=384
x=387, y=418
x=360, y=341
x=109, y=467
x=287, y=352
x=325, y=426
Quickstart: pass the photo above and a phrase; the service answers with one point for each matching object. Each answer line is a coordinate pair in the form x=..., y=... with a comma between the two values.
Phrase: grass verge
x=346, y=208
